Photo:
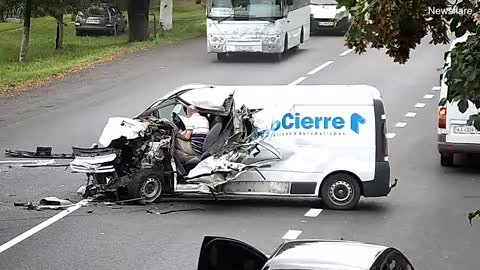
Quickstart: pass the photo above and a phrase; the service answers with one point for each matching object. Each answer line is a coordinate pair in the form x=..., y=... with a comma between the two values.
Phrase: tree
x=400, y=25
x=138, y=20
x=56, y=9
x=26, y=30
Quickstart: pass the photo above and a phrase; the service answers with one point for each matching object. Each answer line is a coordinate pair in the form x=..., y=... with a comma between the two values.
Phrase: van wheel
x=147, y=184
x=446, y=159
x=340, y=191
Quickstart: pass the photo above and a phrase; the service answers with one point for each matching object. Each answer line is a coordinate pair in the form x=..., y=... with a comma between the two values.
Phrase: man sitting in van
x=190, y=142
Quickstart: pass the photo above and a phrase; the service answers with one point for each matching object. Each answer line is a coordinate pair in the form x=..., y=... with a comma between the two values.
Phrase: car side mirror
x=218, y=253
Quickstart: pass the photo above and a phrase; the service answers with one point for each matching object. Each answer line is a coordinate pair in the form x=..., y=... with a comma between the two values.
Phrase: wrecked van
x=326, y=141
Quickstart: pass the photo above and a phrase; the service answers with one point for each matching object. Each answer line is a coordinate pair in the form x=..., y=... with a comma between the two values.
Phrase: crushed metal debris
x=149, y=211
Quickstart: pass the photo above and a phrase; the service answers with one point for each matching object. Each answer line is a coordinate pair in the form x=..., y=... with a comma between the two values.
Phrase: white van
x=326, y=141
x=454, y=135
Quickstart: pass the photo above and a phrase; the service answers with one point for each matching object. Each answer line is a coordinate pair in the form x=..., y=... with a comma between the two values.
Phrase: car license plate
x=325, y=23
x=93, y=21
x=465, y=130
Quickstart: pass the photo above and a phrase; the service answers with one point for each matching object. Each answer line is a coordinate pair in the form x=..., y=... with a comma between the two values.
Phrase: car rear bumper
x=92, y=28
x=448, y=147
x=380, y=185
x=341, y=25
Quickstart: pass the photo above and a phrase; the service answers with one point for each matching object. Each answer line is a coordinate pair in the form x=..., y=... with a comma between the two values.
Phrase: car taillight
x=77, y=19
x=442, y=117
x=109, y=20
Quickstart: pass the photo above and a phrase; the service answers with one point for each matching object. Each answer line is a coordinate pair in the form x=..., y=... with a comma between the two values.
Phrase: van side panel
x=380, y=185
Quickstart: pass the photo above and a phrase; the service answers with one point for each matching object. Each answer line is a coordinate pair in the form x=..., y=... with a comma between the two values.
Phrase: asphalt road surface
x=424, y=216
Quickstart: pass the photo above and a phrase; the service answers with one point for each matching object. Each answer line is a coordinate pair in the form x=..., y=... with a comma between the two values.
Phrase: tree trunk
x=166, y=10
x=26, y=30
x=59, y=39
x=138, y=20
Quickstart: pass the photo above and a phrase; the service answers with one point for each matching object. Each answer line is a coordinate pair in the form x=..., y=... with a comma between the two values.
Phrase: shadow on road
x=466, y=164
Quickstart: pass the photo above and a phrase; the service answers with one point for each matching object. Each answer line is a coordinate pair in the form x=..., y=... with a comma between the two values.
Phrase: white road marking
x=401, y=124
x=436, y=88
x=419, y=105
x=42, y=225
x=428, y=96
x=391, y=135
x=410, y=114
x=313, y=212
x=322, y=66
x=346, y=52
x=297, y=81
x=292, y=234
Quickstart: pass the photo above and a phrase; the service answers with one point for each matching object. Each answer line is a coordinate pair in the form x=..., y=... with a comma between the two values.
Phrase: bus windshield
x=245, y=9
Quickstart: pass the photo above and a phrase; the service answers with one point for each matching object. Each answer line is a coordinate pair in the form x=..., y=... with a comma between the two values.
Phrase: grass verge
x=45, y=63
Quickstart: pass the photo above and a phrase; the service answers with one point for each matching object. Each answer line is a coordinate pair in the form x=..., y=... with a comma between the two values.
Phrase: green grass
x=9, y=26
x=45, y=62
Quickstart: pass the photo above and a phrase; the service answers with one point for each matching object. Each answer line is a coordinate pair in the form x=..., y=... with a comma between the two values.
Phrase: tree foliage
x=400, y=25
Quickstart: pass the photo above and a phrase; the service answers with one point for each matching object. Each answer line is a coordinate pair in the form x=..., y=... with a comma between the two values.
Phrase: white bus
x=262, y=26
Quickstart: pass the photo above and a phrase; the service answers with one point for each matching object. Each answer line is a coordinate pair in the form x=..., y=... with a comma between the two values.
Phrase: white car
x=455, y=136
x=326, y=16
x=221, y=253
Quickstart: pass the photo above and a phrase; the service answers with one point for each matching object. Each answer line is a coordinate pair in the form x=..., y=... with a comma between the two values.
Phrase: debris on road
x=54, y=201
x=19, y=204
x=149, y=211
x=90, y=211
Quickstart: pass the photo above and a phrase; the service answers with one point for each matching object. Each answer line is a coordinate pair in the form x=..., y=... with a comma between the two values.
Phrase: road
x=425, y=215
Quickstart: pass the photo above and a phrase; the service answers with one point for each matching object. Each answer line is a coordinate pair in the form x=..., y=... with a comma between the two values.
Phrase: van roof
x=212, y=96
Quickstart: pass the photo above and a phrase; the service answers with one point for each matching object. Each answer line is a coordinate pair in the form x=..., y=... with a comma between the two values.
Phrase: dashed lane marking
x=391, y=135
x=322, y=66
x=401, y=124
x=428, y=96
x=292, y=234
x=297, y=81
x=313, y=212
x=346, y=52
x=410, y=114
x=42, y=225
x=436, y=88
x=419, y=105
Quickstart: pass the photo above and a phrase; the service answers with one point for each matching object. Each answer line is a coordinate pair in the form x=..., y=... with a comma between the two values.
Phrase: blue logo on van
x=297, y=121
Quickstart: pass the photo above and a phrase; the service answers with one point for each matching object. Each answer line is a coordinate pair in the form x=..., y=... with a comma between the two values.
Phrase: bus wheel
x=340, y=191
x=222, y=56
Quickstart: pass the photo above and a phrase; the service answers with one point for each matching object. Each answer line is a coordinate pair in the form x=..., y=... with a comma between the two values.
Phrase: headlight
x=270, y=39
x=216, y=39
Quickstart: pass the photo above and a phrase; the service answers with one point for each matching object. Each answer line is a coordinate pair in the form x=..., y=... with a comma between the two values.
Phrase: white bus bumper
x=221, y=45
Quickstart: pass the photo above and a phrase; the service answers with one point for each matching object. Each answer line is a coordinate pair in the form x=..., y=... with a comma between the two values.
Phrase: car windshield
x=324, y=2
x=97, y=11
x=245, y=9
